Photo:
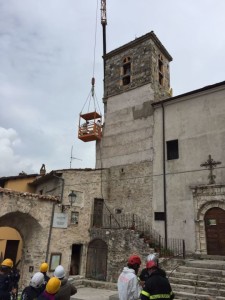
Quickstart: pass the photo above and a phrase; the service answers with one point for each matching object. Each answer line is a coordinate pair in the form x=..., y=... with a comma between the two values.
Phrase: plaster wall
x=198, y=122
x=20, y=184
x=127, y=130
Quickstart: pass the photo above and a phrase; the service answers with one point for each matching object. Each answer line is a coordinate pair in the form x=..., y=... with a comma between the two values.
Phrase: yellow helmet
x=53, y=285
x=7, y=263
x=44, y=267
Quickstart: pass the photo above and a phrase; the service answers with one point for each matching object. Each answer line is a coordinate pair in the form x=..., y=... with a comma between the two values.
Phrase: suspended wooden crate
x=90, y=127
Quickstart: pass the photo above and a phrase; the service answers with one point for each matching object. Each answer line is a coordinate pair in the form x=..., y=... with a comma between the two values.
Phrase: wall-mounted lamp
x=72, y=199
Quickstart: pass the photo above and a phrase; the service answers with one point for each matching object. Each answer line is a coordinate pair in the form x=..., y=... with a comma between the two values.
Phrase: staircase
x=199, y=279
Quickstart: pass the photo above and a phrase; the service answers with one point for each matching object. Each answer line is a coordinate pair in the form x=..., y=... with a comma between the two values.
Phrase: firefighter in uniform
x=157, y=286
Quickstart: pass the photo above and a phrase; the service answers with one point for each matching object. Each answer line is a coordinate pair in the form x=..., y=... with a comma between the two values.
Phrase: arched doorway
x=32, y=250
x=97, y=260
x=10, y=244
x=215, y=231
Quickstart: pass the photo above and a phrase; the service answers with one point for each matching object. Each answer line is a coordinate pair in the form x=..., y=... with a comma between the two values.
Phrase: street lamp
x=72, y=198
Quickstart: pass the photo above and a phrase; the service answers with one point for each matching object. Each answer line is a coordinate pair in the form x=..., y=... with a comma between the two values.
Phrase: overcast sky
x=48, y=57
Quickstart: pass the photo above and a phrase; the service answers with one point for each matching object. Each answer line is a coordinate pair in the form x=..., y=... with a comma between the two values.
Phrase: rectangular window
x=74, y=217
x=172, y=150
x=159, y=216
x=211, y=222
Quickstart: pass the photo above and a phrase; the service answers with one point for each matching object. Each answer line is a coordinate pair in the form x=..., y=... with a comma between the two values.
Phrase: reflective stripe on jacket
x=157, y=287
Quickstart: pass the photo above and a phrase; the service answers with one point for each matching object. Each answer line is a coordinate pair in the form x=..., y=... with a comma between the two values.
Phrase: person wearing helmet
x=127, y=284
x=51, y=289
x=44, y=270
x=156, y=286
x=144, y=275
x=6, y=283
x=34, y=289
x=66, y=289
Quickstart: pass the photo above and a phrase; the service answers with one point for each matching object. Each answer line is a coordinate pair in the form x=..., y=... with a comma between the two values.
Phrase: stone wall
x=130, y=189
x=30, y=215
x=121, y=244
x=144, y=54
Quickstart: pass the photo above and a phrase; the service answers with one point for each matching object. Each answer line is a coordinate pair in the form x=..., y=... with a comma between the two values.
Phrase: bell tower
x=136, y=75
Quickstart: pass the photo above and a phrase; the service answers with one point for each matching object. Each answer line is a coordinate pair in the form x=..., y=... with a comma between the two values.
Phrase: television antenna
x=71, y=157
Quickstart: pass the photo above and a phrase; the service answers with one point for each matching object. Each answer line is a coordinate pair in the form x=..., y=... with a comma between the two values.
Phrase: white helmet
x=59, y=272
x=37, y=280
x=153, y=257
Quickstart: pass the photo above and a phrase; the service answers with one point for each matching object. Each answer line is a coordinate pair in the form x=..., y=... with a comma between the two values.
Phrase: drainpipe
x=52, y=217
x=164, y=174
x=50, y=232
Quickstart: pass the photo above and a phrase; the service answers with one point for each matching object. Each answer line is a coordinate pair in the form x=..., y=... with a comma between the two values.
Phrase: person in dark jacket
x=44, y=270
x=66, y=289
x=51, y=289
x=6, y=281
x=34, y=289
x=157, y=286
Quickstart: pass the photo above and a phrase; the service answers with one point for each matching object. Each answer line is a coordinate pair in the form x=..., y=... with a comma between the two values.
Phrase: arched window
x=126, y=71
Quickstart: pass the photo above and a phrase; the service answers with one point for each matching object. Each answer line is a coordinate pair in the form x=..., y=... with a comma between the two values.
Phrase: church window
x=126, y=71
x=74, y=217
x=161, y=70
x=172, y=150
x=159, y=216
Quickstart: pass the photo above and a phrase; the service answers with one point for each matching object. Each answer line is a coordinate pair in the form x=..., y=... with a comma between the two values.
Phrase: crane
x=104, y=23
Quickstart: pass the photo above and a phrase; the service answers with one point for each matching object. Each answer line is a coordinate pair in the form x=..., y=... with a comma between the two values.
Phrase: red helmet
x=151, y=264
x=134, y=259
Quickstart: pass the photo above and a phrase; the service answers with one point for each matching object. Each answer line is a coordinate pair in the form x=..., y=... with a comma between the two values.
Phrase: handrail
x=173, y=247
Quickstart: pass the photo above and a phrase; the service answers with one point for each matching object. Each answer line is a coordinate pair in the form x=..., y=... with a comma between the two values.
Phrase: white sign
x=60, y=220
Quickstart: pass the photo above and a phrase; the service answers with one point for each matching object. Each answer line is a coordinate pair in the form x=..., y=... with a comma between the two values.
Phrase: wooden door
x=11, y=249
x=97, y=260
x=98, y=212
x=215, y=231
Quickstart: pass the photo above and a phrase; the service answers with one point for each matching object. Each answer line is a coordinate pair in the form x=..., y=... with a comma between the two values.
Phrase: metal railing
x=175, y=247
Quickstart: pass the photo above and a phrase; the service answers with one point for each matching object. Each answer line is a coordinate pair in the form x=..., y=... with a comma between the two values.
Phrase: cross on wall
x=211, y=164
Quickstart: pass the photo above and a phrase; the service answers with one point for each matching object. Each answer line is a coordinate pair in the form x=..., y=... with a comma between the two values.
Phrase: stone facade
x=130, y=189
x=128, y=124
x=144, y=53
x=121, y=243
x=22, y=212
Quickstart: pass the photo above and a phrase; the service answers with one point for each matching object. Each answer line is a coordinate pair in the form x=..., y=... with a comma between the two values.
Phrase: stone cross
x=211, y=164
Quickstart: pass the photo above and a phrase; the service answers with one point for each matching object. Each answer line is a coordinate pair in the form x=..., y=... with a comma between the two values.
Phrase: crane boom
x=103, y=12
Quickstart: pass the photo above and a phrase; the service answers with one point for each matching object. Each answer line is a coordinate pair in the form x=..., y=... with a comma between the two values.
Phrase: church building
x=159, y=177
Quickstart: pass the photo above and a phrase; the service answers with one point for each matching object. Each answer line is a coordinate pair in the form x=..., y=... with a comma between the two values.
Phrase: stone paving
x=88, y=293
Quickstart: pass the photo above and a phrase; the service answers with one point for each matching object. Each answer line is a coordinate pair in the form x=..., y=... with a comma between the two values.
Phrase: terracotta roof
x=57, y=173
x=22, y=176
x=29, y=195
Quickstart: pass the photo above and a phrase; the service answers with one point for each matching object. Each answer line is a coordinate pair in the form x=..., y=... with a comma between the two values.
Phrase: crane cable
x=92, y=94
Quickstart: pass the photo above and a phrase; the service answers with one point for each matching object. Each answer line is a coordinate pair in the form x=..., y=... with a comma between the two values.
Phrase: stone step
x=196, y=282
x=190, y=296
x=201, y=271
x=197, y=277
x=197, y=290
x=206, y=264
